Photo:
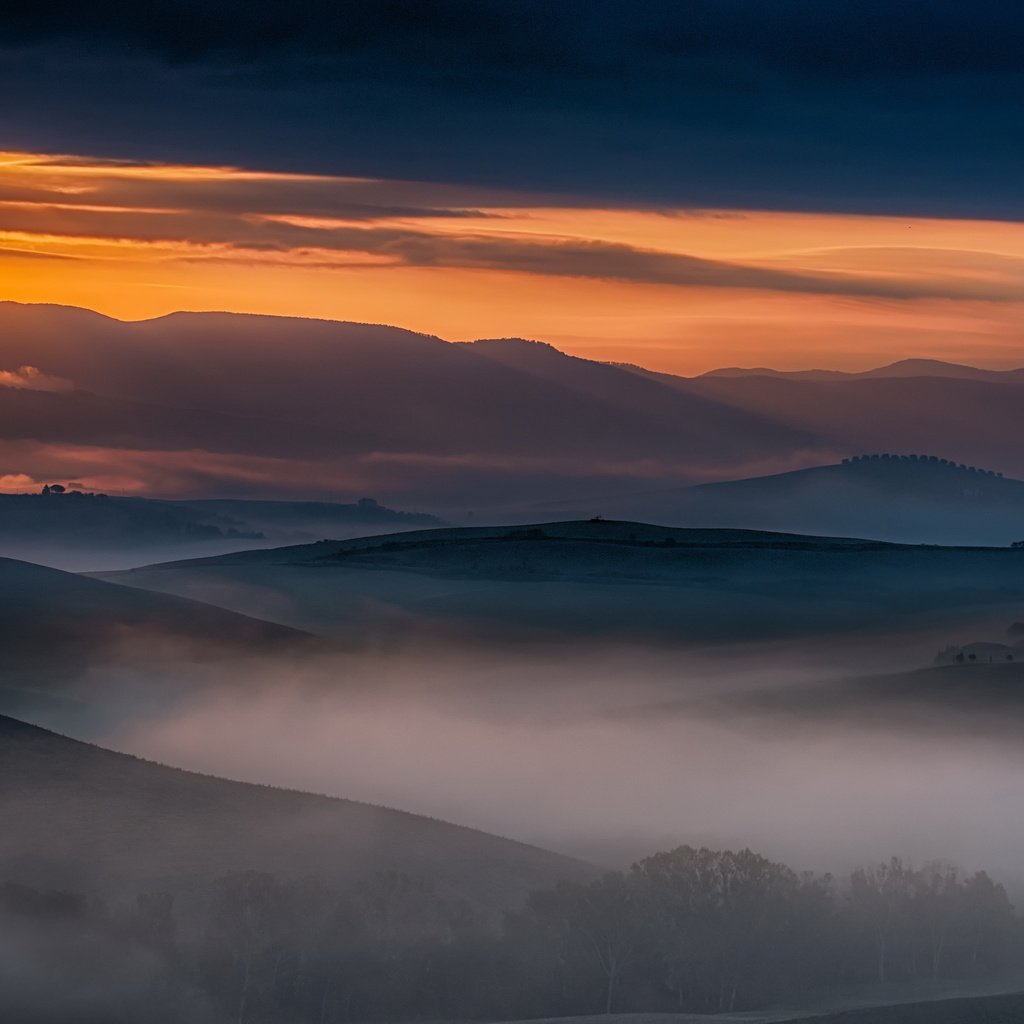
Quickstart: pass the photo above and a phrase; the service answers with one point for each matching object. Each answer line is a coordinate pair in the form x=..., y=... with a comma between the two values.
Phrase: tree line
x=931, y=459
x=687, y=930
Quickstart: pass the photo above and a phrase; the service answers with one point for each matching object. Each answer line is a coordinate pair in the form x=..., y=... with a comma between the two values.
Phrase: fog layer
x=608, y=755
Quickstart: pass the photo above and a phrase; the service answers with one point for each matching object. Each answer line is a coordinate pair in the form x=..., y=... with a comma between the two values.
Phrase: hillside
x=583, y=534
x=602, y=579
x=91, y=819
x=898, y=498
x=77, y=529
x=53, y=619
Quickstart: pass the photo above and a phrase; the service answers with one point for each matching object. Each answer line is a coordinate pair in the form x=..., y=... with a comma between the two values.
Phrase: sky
x=681, y=185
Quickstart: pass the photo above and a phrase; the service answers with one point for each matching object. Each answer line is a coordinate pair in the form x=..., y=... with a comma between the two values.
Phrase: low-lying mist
x=606, y=753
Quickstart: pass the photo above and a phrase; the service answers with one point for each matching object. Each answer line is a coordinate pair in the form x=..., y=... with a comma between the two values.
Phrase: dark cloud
x=849, y=39
x=844, y=38
x=251, y=237
x=305, y=197
x=860, y=105
x=480, y=32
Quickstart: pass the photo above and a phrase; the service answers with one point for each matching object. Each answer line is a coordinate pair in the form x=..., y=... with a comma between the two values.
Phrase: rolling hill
x=93, y=820
x=905, y=499
x=50, y=619
x=603, y=580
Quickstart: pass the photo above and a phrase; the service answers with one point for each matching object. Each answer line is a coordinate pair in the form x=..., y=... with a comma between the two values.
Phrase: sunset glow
x=677, y=290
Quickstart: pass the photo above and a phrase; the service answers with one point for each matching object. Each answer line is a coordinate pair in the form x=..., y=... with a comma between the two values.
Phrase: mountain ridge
x=907, y=366
x=197, y=401
x=910, y=367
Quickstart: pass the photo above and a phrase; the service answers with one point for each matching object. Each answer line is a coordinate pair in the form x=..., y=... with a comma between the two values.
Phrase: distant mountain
x=77, y=529
x=765, y=371
x=299, y=403
x=89, y=819
x=310, y=520
x=358, y=388
x=203, y=401
x=90, y=520
x=970, y=421
x=899, y=369
x=906, y=499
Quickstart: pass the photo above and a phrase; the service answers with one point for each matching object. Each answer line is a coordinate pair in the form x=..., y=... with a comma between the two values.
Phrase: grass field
x=910, y=1005
x=1002, y=1009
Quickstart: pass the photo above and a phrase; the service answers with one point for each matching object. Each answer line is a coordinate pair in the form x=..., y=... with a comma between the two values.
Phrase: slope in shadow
x=603, y=579
x=87, y=818
x=51, y=617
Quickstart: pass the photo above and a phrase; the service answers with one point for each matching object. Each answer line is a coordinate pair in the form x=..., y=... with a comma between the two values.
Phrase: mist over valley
x=511, y=513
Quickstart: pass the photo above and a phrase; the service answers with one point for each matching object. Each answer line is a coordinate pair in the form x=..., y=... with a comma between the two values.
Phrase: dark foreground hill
x=903, y=498
x=603, y=580
x=88, y=819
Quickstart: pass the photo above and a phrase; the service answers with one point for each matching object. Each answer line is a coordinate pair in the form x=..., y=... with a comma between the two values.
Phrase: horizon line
x=752, y=371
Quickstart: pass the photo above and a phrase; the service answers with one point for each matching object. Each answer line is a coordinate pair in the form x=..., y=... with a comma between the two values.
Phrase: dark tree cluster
x=688, y=930
x=933, y=460
x=710, y=931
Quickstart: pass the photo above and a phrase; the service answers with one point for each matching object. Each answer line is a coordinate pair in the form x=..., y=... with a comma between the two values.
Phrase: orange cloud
x=33, y=379
x=677, y=290
x=18, y=483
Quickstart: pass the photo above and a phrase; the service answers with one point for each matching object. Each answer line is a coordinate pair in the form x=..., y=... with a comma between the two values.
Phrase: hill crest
x=583, y=531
